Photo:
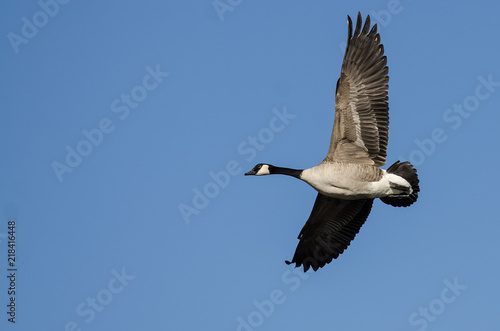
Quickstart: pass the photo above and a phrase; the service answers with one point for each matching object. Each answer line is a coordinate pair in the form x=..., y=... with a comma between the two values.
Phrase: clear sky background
x=126, y=128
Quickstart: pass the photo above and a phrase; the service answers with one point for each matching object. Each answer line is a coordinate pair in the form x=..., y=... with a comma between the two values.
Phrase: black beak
x=251, y=172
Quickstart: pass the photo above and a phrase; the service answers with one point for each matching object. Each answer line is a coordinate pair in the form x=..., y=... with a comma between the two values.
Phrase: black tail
x=409, y=173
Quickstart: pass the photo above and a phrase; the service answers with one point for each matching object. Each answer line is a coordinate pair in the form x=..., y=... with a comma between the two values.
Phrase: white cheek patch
x=264, y=170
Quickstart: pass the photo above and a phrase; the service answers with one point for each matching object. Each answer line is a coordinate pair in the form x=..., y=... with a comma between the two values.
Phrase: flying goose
x=350, y=178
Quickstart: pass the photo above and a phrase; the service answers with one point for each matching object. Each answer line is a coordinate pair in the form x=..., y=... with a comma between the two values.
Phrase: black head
x=260, y=169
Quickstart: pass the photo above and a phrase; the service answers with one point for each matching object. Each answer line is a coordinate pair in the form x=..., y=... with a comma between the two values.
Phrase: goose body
x=347, y=181
x=350, y=177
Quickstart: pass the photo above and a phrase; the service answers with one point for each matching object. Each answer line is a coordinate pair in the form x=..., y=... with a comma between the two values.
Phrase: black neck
x=285, y=171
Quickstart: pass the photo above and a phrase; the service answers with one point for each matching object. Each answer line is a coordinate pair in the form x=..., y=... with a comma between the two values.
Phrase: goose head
x=260, y=169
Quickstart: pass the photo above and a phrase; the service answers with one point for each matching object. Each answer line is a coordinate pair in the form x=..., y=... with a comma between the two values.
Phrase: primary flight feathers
x=361, y=125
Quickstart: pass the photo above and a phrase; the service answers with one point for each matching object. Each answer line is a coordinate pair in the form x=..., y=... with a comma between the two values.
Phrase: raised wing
x=331, y=227
x=361, y=126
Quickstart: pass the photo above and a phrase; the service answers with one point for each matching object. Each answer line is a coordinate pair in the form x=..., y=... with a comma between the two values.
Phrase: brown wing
x=331, y=227
x=361, y=125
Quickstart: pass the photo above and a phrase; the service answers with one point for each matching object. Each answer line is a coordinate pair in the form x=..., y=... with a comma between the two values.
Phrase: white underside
x=328, y=181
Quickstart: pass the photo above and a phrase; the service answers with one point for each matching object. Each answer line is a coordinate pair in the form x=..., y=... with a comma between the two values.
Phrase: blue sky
x=126, y=128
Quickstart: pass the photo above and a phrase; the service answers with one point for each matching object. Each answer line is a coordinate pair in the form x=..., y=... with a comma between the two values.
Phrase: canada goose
x=349, y=178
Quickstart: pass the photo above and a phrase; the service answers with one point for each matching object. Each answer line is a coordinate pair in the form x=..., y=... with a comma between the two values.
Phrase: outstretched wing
x=331, y=227
x=361, y=125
